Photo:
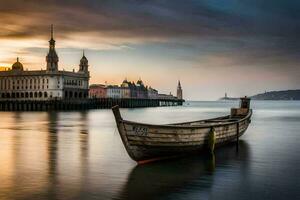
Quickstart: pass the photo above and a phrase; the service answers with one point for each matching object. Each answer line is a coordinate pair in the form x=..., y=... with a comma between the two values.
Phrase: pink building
x=98, y=91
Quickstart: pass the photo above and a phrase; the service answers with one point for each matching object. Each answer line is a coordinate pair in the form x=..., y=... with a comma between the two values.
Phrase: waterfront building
x=179, y=91
x=132, y=88
x=125, y=92
x=141, y=90
x=4, y=69
x=97, y=91
x=114, y=91
x=51, y=83
x=166, y=96
x=152, y=93
x=128, y=89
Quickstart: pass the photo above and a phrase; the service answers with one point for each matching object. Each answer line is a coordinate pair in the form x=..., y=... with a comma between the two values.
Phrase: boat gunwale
x=189, y=122
x=178, y=126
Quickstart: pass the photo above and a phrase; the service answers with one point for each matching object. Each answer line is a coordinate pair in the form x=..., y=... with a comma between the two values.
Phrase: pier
x=92, y=103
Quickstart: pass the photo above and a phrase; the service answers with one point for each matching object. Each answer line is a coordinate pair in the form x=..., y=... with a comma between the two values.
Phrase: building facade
x=97, y=91
x=129, y=90
x=49, y=84
x=4, y=69
x=166, y=96
x=152, y=93
x=141, y=90
x=114, y=92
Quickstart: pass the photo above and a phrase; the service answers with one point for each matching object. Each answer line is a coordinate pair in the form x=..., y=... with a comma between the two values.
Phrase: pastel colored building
x=97, y=91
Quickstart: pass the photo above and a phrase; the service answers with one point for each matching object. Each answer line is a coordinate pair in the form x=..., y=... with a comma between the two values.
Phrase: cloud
x=152, y=20
x=258, y=34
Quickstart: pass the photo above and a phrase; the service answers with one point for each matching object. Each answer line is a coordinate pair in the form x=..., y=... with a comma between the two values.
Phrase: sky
x=241, y=47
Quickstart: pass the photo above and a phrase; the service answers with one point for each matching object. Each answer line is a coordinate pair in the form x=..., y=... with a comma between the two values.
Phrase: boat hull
x=145, y=142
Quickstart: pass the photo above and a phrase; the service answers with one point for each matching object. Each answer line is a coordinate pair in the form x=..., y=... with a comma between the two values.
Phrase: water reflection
x=33, y=157
x=160, y=180
x=79, y=155
x=52, y=153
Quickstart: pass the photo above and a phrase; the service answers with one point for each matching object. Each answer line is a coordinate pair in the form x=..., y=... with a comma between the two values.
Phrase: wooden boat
x=148, y=142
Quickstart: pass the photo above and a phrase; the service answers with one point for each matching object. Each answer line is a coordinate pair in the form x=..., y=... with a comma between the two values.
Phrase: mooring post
x=237, y=135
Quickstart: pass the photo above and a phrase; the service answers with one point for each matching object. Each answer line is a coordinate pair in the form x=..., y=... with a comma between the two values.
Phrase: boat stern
x=243, y=109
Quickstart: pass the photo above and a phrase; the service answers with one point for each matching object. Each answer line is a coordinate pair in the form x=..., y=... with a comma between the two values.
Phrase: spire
x=179, y=90
x=51, y=41
x=17, y=59
x=179, y=85
x=83, y=66
x=52, y=58
x=51, y=31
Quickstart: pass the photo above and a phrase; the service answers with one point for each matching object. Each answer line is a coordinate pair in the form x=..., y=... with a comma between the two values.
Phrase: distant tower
x=179, y=91
x=226, y=95
x=52, y=58
x=84, y=64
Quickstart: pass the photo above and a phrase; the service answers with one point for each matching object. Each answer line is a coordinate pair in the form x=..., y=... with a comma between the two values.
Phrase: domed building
x=17, y=65
x=48, y=84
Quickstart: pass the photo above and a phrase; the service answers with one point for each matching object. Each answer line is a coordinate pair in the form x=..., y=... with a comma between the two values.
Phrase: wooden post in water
x=237, y=136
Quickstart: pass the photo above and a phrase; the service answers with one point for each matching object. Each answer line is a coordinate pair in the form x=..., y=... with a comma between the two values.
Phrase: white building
x=114, y=91
x=52, y=83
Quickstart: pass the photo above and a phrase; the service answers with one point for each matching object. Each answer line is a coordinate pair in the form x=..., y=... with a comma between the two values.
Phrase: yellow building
x=4, y=69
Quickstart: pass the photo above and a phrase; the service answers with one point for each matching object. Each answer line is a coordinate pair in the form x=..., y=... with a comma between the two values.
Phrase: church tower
x=179, y=91
x=52, y=58
x=84, y=64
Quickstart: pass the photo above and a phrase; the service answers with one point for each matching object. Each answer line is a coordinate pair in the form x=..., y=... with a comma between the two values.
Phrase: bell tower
x=52, y=58
x=179, y=91
x=84, y=64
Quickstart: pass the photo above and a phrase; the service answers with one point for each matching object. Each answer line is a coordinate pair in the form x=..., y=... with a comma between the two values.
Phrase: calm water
x=79, y=155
